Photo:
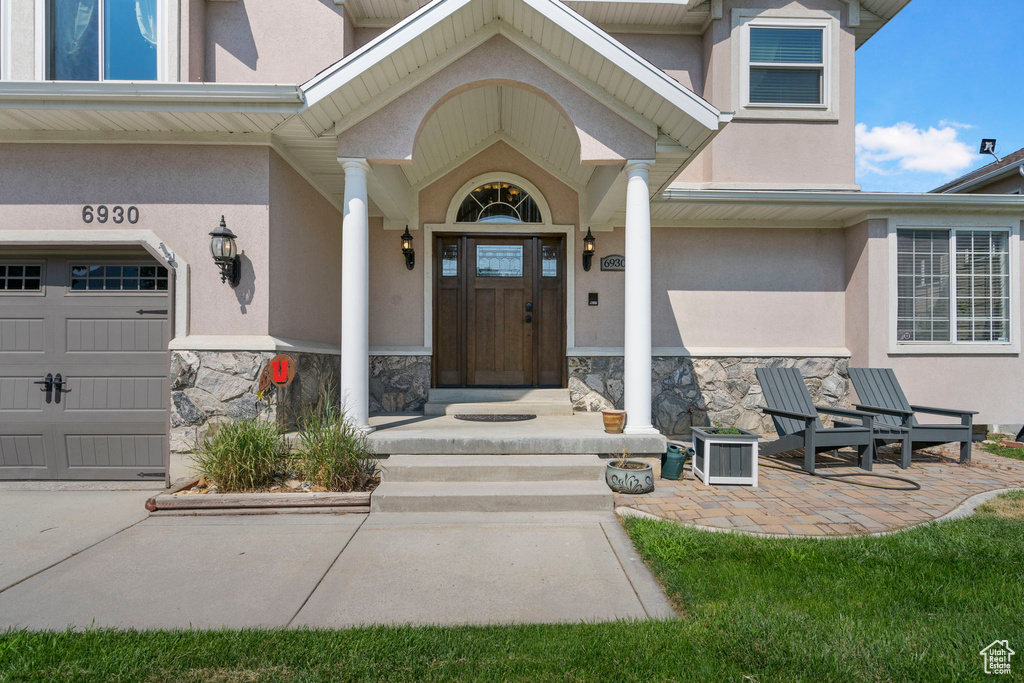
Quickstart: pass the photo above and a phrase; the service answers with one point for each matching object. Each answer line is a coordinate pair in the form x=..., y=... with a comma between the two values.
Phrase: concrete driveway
x=321, y=570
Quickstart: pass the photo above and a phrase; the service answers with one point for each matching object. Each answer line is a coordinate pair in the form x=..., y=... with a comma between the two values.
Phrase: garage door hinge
x=150, y=474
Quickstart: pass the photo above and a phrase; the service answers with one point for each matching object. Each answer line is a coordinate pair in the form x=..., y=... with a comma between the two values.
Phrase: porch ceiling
x=472, y=120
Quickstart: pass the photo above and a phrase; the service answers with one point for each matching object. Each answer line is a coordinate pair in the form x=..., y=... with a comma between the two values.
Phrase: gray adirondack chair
x=799, y=426
x=879, y=392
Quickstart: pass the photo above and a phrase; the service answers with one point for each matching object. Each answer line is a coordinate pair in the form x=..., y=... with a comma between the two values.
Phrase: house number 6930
x=103, y=213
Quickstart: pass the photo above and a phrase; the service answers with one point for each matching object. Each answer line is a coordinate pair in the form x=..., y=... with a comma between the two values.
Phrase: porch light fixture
x=225, y=254
x=588, y=249
x=407, y=250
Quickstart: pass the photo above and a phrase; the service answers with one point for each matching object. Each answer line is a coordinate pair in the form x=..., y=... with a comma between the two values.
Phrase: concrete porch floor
x=789, y=502
x=418, y=434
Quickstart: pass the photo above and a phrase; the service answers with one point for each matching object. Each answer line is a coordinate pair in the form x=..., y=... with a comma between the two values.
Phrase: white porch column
x=636, y=380
x=355, y=296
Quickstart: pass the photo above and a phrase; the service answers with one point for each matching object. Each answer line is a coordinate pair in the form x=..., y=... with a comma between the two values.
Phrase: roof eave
x=957, y=186
x=892, y=201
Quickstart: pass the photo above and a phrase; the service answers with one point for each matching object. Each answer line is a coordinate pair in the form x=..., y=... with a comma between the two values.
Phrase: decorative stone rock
x=184, y=412
x=244, y=364
x=184, y=365
x=398, y=383
x=220, y=385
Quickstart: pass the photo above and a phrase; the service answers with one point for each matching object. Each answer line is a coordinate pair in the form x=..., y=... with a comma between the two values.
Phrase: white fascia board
x=359, y=62
x=953, y=188
x=261, y=98
x=882, y=201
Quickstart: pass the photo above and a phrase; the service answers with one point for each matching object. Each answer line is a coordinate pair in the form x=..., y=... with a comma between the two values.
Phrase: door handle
x=47, y=386
x=529, y=306
x=528, y=319
x=58, y=387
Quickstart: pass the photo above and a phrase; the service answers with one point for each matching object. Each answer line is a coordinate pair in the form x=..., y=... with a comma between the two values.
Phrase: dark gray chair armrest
x=789, y=413
x=865, y=418
x=943, y=411
x=883, y=411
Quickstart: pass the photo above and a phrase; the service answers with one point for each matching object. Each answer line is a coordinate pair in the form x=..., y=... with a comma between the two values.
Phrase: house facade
x=640, y=202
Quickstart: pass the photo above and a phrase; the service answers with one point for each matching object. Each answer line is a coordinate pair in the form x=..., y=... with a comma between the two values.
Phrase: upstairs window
x=94, y=40
x=787, y=65
x=498, y=202
x=953, y=286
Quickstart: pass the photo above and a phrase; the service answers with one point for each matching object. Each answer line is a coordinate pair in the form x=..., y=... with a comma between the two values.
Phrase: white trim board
x=249, y=342
x=145, y=238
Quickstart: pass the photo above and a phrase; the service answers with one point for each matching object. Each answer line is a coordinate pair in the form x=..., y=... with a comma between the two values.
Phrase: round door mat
x=495, y=418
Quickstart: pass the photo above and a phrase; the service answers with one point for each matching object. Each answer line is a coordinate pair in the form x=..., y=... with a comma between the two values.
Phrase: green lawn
x=915, y=606
x=1015, y=453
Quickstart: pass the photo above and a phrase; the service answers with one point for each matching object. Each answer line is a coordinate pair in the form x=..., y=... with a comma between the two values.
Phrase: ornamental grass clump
x=333, y=454
x=243, y=456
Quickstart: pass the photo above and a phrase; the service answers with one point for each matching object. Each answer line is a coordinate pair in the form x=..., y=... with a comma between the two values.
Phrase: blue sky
x=931, y=84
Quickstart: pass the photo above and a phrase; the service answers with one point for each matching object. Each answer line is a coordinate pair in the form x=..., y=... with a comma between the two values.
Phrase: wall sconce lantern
x=588, y=249
x=407, y=250
x=225, y=254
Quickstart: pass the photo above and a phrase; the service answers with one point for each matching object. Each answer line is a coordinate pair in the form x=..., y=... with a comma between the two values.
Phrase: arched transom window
x=498, y=202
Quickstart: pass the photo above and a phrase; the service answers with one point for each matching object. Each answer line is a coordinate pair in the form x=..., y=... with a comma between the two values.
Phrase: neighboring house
x=1005, y=176
x=710, y=143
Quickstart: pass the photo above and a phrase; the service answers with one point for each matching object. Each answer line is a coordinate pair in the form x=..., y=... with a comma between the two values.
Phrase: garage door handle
x=47, y=386
x=58, y=386
x=159, y=311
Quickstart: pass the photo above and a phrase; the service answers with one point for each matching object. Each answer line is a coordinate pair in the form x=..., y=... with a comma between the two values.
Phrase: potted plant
x=629, y=476
x=725, y=455
x=614, y=420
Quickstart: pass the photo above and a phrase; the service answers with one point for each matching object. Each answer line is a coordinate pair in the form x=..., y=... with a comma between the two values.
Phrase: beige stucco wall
x=305, y=259
x=681, y=57
x=181, y=192
x=788, y=153
x=259, y=41
x=990, y=384
x=390, y=134
x=396, y=293
x=718, y=287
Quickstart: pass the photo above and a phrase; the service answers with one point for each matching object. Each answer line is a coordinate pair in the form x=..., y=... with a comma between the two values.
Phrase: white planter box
x=725, y=458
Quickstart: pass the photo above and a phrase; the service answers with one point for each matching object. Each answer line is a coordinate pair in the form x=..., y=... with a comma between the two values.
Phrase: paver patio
x=790, y=502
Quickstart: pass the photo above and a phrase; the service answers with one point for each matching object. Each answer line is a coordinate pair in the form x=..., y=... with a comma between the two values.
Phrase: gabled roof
x=444, y=29
x=1008, y=165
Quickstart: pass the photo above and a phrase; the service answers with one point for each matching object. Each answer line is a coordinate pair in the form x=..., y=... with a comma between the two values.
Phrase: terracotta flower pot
x=614, y=420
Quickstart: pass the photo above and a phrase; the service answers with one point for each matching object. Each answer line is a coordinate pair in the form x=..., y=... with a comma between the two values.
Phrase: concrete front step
x=504, y=496
x=471, y=401
x=510, y=408
x=492, y=468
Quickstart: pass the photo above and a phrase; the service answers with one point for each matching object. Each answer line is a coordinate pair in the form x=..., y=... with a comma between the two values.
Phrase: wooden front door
x=499, y=312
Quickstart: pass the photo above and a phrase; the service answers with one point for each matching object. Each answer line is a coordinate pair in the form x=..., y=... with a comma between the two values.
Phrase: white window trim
x=952, y=224
x=743, y=20
x=167, y=30
x=5, y=40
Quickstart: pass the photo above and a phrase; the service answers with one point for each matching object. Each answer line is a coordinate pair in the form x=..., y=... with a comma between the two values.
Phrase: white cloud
x=887, y=150
x=948, y=123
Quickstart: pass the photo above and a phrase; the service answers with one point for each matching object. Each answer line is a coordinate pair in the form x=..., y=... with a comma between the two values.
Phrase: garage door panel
x=22, y=450
x=19, y=394
x=21, y=335
x=88, y=455
x=115, y=393
x=116, y=335
x=26, y=451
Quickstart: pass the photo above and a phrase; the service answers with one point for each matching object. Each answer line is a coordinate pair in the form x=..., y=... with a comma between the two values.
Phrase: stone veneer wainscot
x=690, y=391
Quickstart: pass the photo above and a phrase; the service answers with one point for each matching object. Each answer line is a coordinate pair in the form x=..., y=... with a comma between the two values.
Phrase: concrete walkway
x=317, y=570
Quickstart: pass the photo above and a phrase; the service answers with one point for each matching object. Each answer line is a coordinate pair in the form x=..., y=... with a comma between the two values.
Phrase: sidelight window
x=94, y=40
x=498, y=202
